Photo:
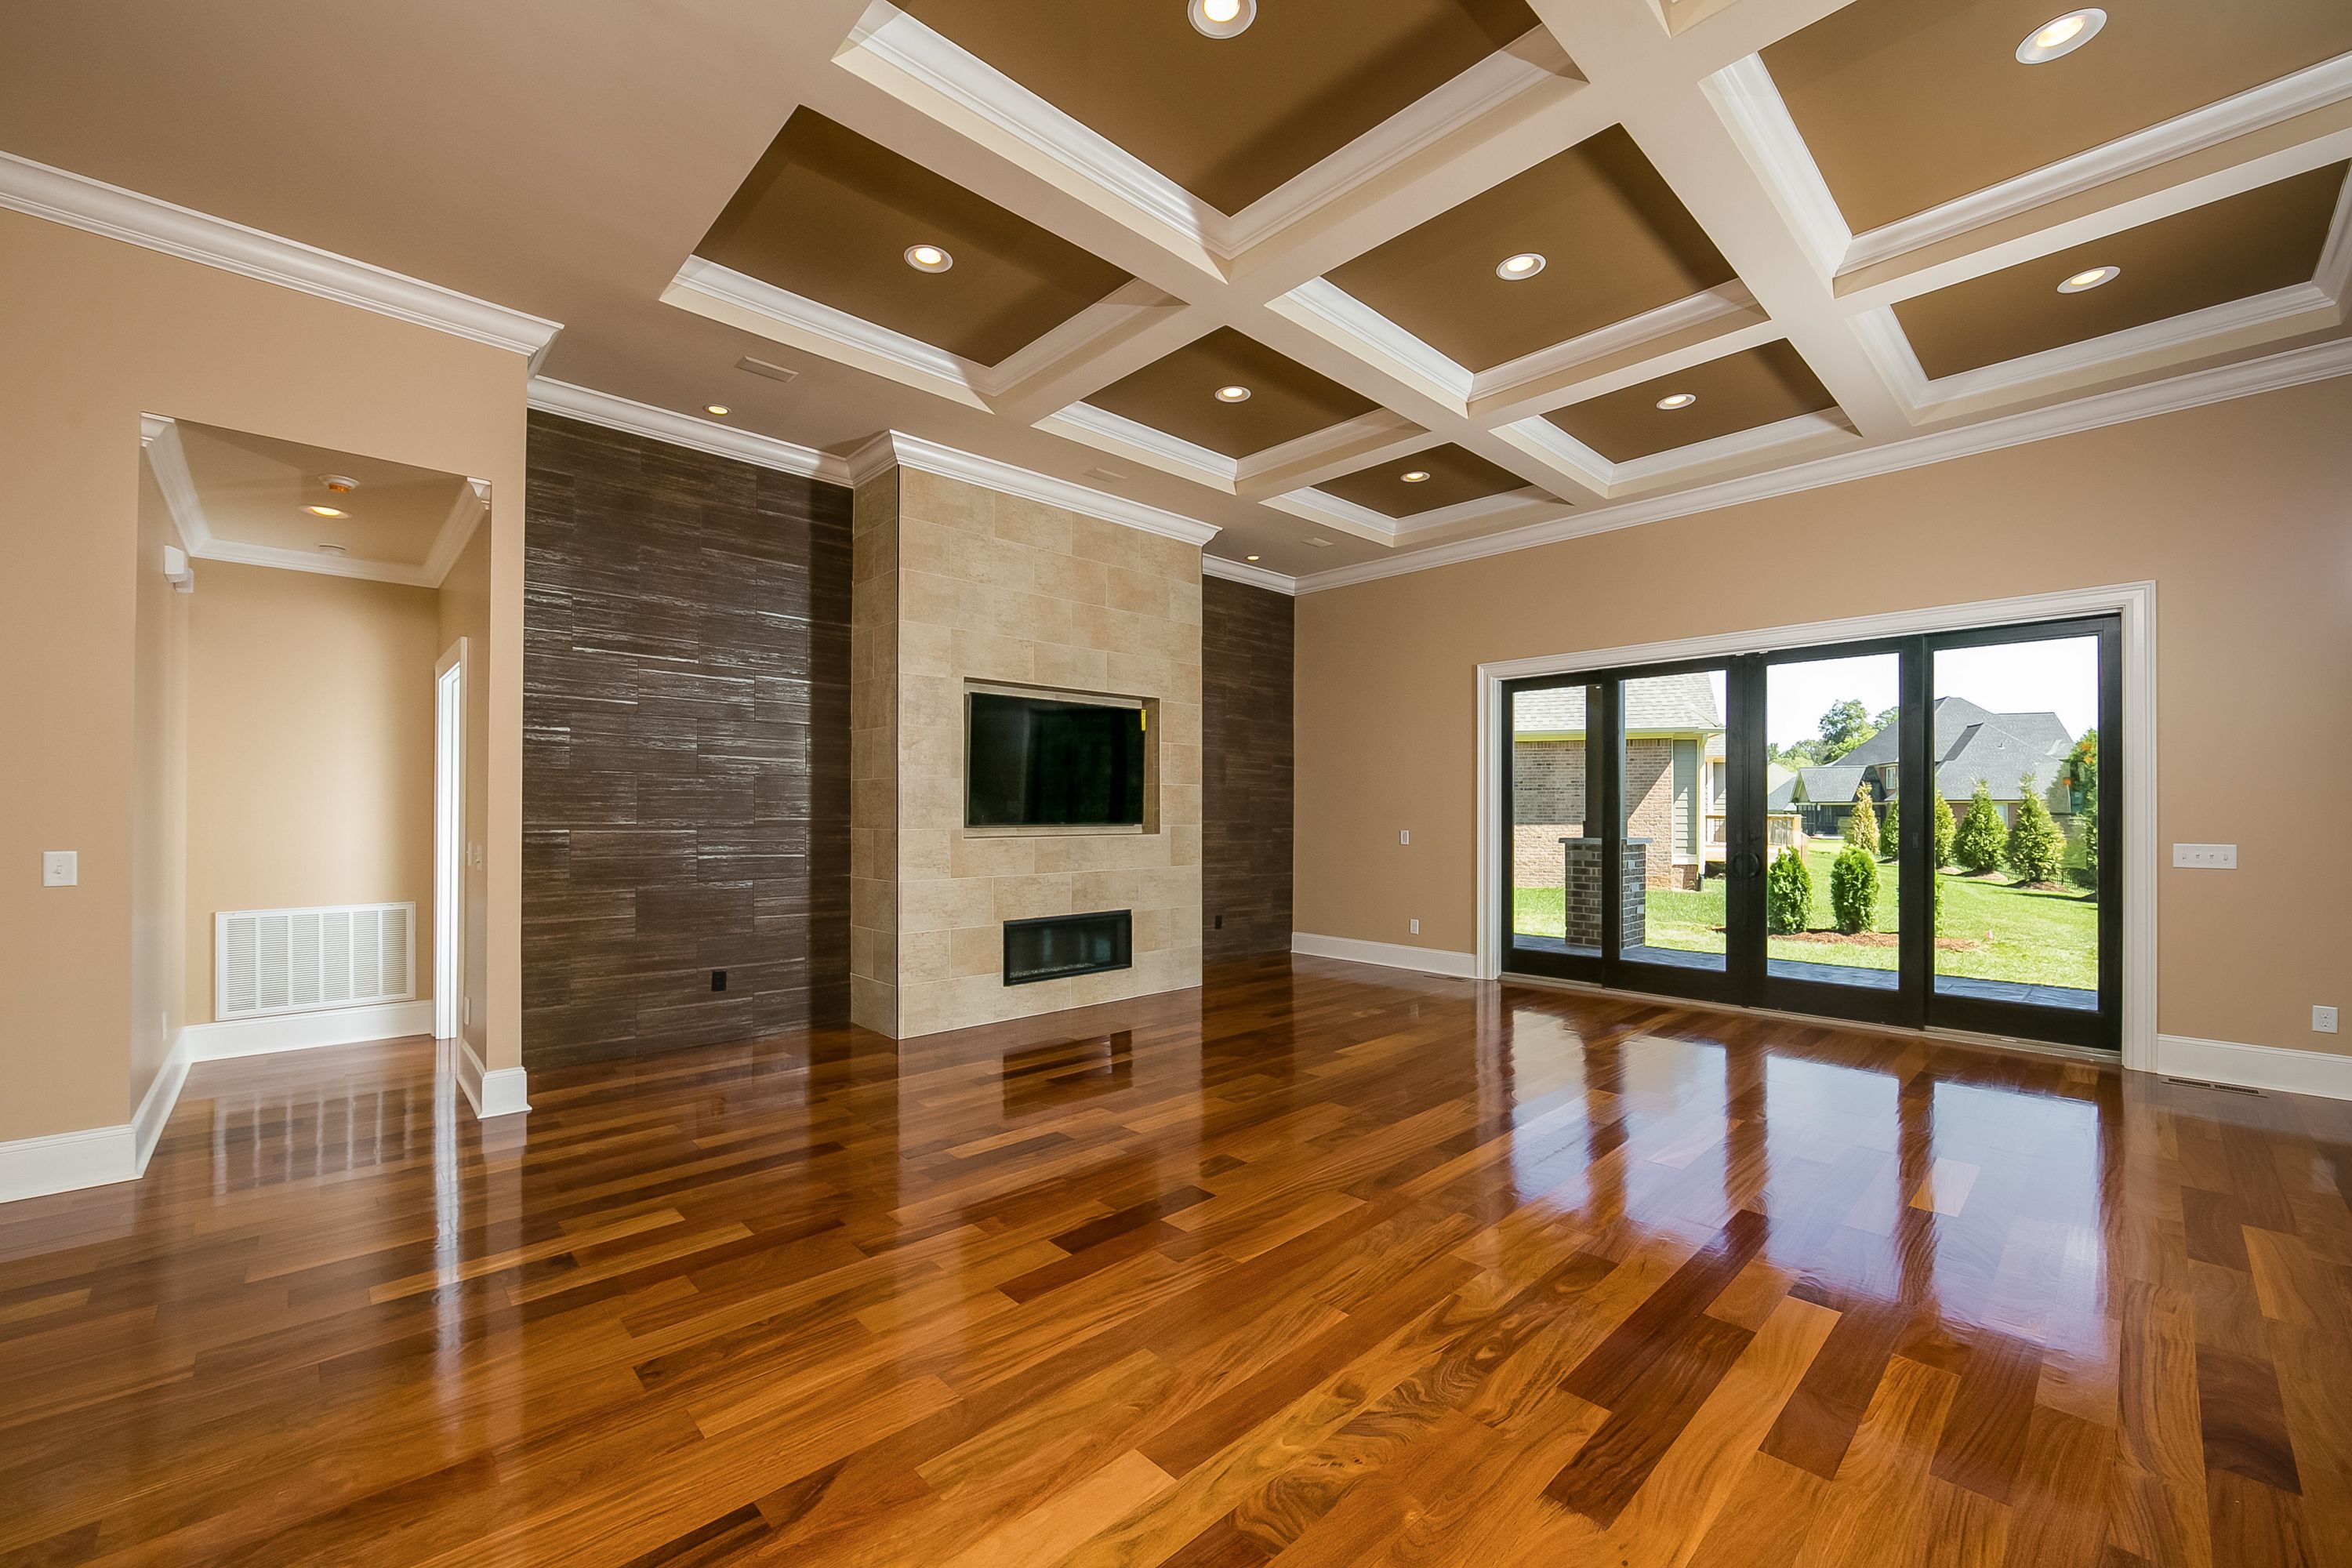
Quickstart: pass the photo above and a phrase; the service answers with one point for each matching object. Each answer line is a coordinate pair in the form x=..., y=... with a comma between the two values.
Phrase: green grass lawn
x=2022, y=934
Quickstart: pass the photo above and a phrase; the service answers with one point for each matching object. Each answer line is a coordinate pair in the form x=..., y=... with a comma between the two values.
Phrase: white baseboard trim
x=305, y=1031
x=506, y=1092
x=2254, y=1067
x=155, y=1105
x=65, y=1162
x=1389, y=954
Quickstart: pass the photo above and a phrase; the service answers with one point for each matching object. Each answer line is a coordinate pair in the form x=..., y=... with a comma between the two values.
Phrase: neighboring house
x=1672, y=772
x=1971, y=744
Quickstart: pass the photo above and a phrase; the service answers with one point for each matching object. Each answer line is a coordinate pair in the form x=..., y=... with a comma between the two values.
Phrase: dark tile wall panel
x=1245, y=769
x=686, y=750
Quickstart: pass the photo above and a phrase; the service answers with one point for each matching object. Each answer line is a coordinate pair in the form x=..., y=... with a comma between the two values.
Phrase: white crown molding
x=456, y=530
x=2313, y=87
x=898, y=449
x=2333, y=277
x=725, y=295
x=1731, y=304
x=1338, y=318
x=2296, y=367
x=1783, y=436
x=1099, y=321
x=1130, y=438
x=2237, y=323
x=1321, y=506
x=1251, y=577
x=1381, y=427
x=168, y=461
x=592, y=408
x=1752, y=111
x=237, y=553
x=895, y=52
x=1347, y=516
x=96, y=207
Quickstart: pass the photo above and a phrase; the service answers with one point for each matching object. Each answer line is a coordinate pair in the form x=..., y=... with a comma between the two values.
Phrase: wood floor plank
x=1320, y=1265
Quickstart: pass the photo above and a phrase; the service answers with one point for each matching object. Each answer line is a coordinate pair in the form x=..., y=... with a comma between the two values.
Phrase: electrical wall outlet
x=2206, y=857
x=1414, y=926
x=1404, y=834
x=2322, y=1020
x=60, y=868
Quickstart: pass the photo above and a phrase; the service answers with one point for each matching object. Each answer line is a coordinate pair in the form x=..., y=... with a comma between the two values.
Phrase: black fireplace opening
x=1059, y=946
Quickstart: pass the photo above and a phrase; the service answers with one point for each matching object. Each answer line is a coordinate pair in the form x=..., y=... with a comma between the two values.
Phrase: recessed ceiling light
x=1249, y=557
x=715, y=408
x=929, y=258
x=1674, y=400
x=2089, y=278
x=1220, y=18
x=1513, y=269
x=325, y=511
x=2060, y=35
x=1232, y=395
x=1415, y=476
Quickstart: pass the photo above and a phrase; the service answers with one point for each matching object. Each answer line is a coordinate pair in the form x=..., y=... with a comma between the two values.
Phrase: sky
x=2060, y=676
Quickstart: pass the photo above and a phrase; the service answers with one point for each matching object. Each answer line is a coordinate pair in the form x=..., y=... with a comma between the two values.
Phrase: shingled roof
x=1669, y=704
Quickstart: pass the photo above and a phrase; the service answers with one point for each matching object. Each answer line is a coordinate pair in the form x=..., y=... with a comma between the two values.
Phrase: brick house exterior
x=1668, y=721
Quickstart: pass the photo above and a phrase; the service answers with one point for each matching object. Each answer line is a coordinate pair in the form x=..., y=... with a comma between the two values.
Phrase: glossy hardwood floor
x=1323, y=1266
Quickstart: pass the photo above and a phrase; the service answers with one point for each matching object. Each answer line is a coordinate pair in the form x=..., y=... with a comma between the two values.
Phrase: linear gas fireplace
x=1059, y=946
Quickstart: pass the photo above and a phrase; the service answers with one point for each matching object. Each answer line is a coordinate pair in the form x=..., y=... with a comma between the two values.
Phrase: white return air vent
x=299, y=961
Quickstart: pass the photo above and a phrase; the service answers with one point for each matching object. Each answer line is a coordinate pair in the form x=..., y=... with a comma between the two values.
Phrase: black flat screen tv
x=1042, y=762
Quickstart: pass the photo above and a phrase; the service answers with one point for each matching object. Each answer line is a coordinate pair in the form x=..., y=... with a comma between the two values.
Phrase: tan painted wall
x=159, y=822
x=2241, y=512
x=465, y=612
x=92, y=333
x=309, y=751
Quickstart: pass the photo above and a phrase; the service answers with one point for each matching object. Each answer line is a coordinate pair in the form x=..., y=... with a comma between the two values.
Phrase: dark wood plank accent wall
x=686, y=753
x=1245, y=769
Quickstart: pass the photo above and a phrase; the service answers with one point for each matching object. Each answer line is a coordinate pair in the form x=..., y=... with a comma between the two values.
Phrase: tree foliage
x=2036, y=850
x=1862, y=824
x=1853, y=889
x=1982, y=841
x=1788, y=894
x=1945, y=830
x=1890, y=832
x=1846, y=726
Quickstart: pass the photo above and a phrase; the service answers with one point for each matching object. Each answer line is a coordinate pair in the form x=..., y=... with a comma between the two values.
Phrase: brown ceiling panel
x=1456, y=474
x=829, y=214
x=1616, y=241
x=1176, y=396
x=1909, y=103
x=2265, y=239
x=1229, y=119
x=1738, y=392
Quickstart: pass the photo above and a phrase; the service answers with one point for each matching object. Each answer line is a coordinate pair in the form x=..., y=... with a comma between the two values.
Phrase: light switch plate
x=1404, y=834
x=60, y=868
x=2206, y=857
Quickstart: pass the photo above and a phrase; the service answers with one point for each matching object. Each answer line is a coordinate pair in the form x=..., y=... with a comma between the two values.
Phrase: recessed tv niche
x=1056, y=762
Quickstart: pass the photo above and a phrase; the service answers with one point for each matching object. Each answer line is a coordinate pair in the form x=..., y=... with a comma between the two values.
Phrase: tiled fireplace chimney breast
x=955, y=582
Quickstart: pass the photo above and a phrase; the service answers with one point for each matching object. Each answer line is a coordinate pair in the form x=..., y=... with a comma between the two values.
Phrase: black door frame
x=1745, y=978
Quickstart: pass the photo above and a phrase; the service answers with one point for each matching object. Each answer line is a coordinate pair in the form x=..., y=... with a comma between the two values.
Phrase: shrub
x=1853, y=889
x=1890, y=832
x=1788, y=894
x=1944, y=829
x=2036, y=851
x=1981, y=840
x=1861, y=828
x=2088, y=873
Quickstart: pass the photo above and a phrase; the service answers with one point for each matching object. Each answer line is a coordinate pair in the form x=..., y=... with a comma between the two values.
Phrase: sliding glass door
x=1904, y=831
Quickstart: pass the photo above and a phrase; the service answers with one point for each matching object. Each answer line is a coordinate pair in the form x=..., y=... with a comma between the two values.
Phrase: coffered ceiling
x=1840, y=227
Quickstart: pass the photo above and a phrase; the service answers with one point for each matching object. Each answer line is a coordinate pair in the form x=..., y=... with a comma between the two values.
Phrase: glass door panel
x=1552, y=888
x=2018, y=722
x=1833, y=879
x=1670, y=755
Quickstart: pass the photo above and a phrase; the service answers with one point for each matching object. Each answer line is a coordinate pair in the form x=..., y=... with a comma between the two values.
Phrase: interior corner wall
x=2237, y=511
x=309, y=754
x=1246, y=655
x=94, y=332
x=874, y=757
x=686, y=744
x=464, y=610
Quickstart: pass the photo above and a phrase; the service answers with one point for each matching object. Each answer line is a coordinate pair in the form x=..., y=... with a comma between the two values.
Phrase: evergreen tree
x=1862, y=827
x=1945, y=830
x=2036, y=850
x=1788, y=894
x=1853, y=889
x=1978, y=845
x=1890, y=832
